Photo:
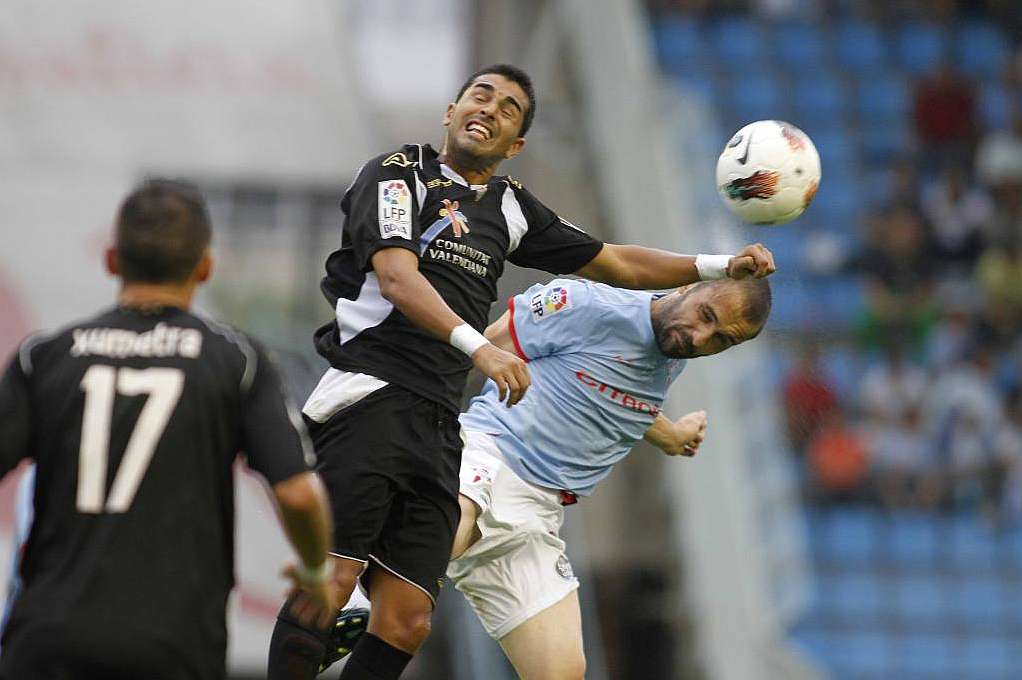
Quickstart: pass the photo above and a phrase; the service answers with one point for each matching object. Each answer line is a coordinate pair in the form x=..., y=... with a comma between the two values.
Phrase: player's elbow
x=300, y=495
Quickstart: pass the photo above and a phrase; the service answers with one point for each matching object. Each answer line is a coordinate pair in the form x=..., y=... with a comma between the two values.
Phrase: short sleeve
x=551, y=243
x=15, y=416
x=274, y=438
x=381, y=208
x=551, y=319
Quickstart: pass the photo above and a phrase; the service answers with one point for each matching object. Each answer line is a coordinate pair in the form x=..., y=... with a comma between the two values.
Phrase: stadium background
x=855, y=511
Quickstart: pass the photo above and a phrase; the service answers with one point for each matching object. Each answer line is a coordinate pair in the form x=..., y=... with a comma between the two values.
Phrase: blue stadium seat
x=852, y=536
x=757, y=96
x=679, y=44
x=921, y=597
x=912, y=540
x=864, y=653
x=922, y=655
x=841, y=297
x=921, y=46
x=856, y=598
x=884, y=143
x=972, y=546
x=790, y=302
x=838, y=197
x=981, y=603
x=700, y=83
x=818, y=100
x=993, y=104
x=981, y=49
x=799, y=47
x=860, y=47
x=988, y=657
x=838, y=153
x=738, y=43
x=883, y=99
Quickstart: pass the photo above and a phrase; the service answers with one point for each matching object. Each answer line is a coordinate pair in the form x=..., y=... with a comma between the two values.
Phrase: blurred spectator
x=960, y=214
x=955, y=330
x=999, y=156
x=891, y=388
x=838, y=461
x=899, y=455
x=1008, y=450
x=963, y=415
x=1000, y=276
x=808, y=398
x=944, y=112
x=898, y=266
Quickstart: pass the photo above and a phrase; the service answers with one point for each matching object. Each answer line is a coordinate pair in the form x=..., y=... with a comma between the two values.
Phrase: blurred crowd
x=934, y=418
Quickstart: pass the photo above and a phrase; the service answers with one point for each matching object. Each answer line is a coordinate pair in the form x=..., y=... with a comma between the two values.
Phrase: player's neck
x=472, y=169
x=138, y=295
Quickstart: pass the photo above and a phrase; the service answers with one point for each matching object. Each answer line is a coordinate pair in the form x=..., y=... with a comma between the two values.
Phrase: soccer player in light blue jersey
x=601, y=361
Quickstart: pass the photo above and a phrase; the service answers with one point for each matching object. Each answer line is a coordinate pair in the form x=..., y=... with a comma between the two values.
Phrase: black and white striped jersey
x=134, y=420
x=462, y=234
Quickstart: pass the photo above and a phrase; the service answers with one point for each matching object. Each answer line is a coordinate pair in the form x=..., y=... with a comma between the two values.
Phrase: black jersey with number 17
x=462, y=235
x=134, y=420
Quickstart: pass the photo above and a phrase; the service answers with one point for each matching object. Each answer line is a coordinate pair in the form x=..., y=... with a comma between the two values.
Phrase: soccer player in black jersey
x=133, y=419
x=425, y=239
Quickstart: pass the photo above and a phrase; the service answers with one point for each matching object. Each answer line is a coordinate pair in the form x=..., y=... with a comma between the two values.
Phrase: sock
x=374, y=659
x=295, y=652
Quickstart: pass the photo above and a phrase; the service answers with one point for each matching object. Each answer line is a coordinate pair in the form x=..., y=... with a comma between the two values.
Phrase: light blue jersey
x=598, y=382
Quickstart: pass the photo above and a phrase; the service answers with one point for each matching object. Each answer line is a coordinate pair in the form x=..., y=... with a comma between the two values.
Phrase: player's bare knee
x=406, y=632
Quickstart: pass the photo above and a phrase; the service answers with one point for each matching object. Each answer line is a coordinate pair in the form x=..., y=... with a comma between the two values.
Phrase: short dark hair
x=163, y=227
x=757, y=300
x=515, y=75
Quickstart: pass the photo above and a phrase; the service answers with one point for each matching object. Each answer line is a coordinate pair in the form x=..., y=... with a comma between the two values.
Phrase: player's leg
x=353, y=448
x=468, y=532
x=549, y=645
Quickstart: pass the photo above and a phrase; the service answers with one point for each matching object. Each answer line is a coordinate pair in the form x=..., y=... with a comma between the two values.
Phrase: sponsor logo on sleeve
x=398, y=159
x=548, y=302
x=563, y=567
x=395, y=209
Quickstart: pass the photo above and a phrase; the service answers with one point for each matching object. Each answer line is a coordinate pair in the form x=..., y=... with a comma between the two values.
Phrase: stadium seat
x=981, y=603
x=817, y=100
x=738, y=42
x=883, y=143
x=920, y=47
x=980, y=49
x=988, y=657
x=842, y=297
x=922, y=655
x=679, y=44
x=912, y=541
x=866, y=653
x=921, y=598
x=852, y=536
x=701, y=84
x=993, y=105
x=857, y=599
x=860, y=48
x=757, y=96
x=883, y=99
x=799, y=47
x=837, y=152
x=972, y=546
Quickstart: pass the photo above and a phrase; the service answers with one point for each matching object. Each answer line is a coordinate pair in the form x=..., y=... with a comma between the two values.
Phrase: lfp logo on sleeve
x=395, y=209
x=548, y=302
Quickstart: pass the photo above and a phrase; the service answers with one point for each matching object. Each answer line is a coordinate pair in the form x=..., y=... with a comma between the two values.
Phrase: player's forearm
x=640, y=268
x=664, y=435
x=412, y=294
x=305, y=514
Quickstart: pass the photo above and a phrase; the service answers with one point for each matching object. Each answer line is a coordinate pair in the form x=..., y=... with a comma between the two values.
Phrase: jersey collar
x=449, y=173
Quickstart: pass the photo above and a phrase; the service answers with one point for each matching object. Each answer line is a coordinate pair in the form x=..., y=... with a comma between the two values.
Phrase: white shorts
x=518, y=567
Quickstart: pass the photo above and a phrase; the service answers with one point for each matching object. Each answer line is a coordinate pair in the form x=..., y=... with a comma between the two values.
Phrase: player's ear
x=515, y=148
x=110, y=260
x=449, y=114
x=204, y=269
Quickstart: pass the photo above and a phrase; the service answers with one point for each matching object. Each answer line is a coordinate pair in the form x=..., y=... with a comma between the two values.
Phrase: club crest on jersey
x=549, y=302
x=395, y=209
x=481, y=474
x=449, y=214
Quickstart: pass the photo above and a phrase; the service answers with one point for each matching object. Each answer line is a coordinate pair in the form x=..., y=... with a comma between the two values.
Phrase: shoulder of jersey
x=408, y=156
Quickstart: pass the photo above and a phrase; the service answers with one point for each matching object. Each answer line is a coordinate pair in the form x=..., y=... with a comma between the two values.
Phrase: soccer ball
x=769, y=172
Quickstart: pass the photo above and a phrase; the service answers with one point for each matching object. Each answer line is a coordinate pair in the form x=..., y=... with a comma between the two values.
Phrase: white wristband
x=467, y=339
x=313, y=575
x=711, y=267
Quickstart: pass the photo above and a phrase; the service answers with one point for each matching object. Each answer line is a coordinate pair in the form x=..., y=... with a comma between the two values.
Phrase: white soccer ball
x=769, y=172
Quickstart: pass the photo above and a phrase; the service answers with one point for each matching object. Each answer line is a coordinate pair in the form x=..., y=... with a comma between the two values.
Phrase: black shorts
x=390, y=462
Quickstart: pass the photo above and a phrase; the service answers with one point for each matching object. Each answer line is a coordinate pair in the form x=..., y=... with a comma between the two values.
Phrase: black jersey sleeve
x=382, y=208
x=274, y=439
x=15, y=416
x=551, y=243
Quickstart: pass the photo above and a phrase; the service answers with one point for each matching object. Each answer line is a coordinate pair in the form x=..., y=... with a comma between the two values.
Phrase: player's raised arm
x=410, y=292
x=680, y=437
x=637, y=267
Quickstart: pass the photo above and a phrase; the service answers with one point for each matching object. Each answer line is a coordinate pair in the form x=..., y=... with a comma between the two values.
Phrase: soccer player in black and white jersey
x=133, y=419
x=425, y=239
